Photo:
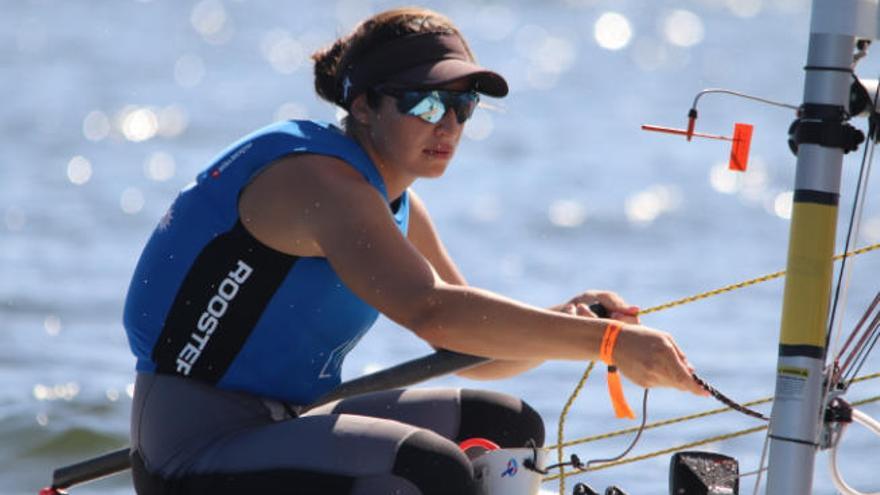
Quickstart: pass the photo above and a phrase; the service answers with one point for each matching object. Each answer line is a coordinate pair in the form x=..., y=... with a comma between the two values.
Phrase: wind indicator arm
x=741, y=141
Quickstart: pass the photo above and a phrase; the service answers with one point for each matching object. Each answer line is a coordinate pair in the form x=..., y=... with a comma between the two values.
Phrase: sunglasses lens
x=431, y=106
x=428, y=107
x=464, y=105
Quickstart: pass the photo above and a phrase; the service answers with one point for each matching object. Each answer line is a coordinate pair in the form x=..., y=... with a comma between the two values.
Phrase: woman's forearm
x=499, y=368
x=479, y=322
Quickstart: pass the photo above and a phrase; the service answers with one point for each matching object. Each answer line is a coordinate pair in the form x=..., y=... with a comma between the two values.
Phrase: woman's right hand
x=651, y=358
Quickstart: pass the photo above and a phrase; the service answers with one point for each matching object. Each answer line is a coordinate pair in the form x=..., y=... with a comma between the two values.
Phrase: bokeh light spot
x=96, y=125
x=189, y=70
x=612, y=31
x=495, y=22
x=683, y=28
x=745, y=8
x=291, y=111
x=52, y=325
x=479, y=126
x=159, y=166
x=79, y=170
x=782, y=205
x=724, y=180
x=210, y=19
x=645, y=206
x=63, y=391
x=139, y=124
x=566, y=213
x=173, y=121
x=485, y=209
x=284, y=53
x=870, y=230
x=132, y=200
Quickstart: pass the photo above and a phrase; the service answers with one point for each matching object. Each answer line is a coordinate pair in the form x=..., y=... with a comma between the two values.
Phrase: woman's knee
x=506, y=420
x=434, y=465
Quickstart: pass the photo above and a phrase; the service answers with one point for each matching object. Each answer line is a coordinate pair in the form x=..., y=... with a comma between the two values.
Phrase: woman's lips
x=438, y=152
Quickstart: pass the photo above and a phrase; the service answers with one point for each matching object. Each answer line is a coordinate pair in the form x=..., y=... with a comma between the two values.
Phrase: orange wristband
x=609, y=340
x=615, y=388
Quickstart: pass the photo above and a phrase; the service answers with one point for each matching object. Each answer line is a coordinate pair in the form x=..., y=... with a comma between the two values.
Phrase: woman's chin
x=433, y=167
x=434, y=170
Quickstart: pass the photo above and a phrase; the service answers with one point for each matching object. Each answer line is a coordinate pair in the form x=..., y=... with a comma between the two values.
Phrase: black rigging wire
x=872, y=129
x=576, y=462
x=864, y=350
x=635, y=439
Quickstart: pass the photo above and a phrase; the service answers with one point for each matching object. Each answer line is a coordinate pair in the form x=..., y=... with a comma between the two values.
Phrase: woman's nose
x=448, y=123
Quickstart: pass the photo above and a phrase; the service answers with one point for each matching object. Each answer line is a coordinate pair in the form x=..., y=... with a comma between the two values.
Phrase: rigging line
x=634, y=440
x=761, y=467
x=727, y=401
x=681, y=419
x=658, y=424
x=858, y=348
x=752, y=473
x=578, y=465
x=869, y=400
x=670, y=450
x=870, y=348
x=562, y=415
x=854, y=222
x=858, y=326
x=746, y=283
x=858, y=354
x=742, y=95
x=689, y=445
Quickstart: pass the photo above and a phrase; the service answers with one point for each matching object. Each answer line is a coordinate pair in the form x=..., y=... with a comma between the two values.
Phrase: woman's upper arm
x=425, y=238
x=320, y=203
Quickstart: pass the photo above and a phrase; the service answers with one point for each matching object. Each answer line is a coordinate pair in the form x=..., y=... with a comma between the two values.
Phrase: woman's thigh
x=321, y=454
x=456, y=414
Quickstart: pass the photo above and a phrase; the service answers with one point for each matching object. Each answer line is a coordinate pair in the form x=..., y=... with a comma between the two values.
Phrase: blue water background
x=553, y=192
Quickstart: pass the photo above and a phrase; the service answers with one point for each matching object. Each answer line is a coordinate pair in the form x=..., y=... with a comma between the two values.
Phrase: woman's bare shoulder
x=279, y=201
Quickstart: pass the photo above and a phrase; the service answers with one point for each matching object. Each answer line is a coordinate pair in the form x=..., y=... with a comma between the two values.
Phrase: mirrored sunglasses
x=431, y=105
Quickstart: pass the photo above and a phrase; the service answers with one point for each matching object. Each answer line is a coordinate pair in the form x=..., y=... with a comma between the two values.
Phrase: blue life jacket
x=209, y=301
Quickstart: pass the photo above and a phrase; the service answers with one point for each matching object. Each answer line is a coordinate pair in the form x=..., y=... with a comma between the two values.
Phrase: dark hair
x=331, y=61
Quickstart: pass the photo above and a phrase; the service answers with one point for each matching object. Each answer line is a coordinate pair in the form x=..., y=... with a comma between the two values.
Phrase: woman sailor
x=267, y=271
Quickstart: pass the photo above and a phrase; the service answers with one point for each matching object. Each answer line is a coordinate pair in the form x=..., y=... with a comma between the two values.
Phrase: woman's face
x=409, y=145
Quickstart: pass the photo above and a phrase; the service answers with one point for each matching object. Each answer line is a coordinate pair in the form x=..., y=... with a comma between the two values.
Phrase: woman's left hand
x=617, y=308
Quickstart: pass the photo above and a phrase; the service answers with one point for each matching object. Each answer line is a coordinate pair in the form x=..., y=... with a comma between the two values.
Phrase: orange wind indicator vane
x=740, y=142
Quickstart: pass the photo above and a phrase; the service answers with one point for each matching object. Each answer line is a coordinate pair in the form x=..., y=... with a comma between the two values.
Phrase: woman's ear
x=360, y=110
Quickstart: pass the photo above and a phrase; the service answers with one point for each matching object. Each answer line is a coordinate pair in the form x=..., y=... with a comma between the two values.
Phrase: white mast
x=797, y=408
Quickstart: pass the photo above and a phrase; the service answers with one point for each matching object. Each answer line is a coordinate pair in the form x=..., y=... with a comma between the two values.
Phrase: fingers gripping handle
x=599, y=310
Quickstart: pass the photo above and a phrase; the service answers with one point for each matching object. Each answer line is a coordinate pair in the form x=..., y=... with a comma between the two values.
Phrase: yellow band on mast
x=809, y=274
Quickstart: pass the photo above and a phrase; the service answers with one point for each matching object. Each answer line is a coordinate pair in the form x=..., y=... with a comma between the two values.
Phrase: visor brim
x=446, y=71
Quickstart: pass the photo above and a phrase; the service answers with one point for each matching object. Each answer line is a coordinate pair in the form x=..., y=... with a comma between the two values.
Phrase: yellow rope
x=747, y=283
x=685, y=446
x=657, y=424
x=679, y=302
x=680, y=419
x=865, y=401
x=664, y=451
x=562, y=416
